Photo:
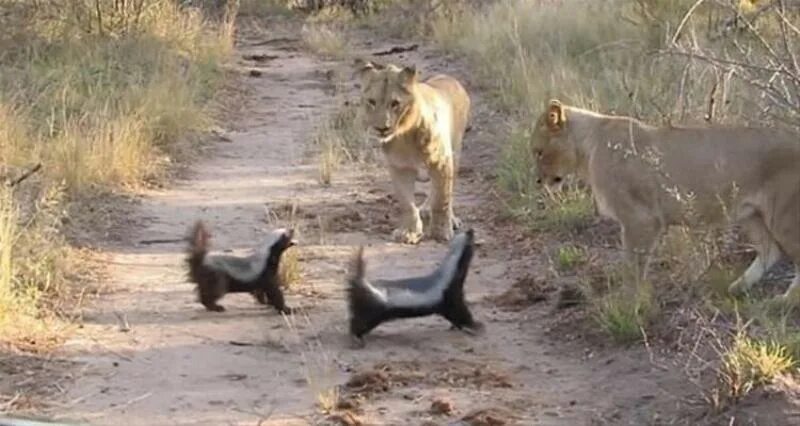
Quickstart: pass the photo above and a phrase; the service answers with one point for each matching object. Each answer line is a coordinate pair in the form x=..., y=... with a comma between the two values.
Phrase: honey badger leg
x=275, y=298
x=260, y=296
x=360, y=327
x=460, y=317
x=211, y=290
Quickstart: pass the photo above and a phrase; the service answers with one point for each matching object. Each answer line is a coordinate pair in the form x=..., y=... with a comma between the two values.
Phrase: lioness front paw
x=425, y=210
x=443, y=233
x=457, y=223
x=405, y=236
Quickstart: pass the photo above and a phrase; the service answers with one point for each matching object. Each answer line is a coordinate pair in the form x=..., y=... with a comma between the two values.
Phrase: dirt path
x=181, y=365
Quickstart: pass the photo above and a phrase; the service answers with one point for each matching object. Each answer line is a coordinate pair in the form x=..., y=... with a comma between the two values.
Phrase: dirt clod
x=569, y=296
x=523, y=293
x=488, y=417
x=441, y=406
x=345, y=418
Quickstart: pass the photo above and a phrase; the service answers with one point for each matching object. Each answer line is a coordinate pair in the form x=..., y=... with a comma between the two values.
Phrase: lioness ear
x=364, y=68
x=556, y=117
x=409, y=75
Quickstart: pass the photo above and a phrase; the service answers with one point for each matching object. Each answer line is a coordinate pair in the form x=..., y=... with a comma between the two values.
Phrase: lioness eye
x=395, y=103
x=538, y=153
x=371, y=102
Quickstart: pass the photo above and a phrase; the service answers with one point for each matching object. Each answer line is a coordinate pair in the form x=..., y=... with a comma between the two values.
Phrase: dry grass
x=97, y=93
x=261, y=8
x=748, y=363
x=326, y=39
x=341, y=139
x=569, y=257
x=318, y=364
x=290, y=270
x=622, y=306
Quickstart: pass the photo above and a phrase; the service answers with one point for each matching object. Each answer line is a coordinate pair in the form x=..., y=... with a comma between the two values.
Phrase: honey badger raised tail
x=441, y=292
x=216, y=275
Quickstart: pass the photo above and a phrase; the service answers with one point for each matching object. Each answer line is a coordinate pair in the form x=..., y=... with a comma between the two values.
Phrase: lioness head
x=387, y=97
x=553, y=151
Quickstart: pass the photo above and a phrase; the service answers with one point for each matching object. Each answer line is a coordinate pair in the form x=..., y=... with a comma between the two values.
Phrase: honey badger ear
x=556, y=116
x=289, y=235
x=199, y=235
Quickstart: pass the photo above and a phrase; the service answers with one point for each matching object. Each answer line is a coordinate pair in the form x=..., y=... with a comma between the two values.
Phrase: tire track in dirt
x=176, y=364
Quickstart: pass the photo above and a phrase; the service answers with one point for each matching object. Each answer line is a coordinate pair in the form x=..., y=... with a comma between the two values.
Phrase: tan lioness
x=418, y=124
x=647, y=178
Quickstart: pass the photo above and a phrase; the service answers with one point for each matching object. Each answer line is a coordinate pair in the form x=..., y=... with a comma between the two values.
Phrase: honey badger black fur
x=440, y=292
x=216, y=275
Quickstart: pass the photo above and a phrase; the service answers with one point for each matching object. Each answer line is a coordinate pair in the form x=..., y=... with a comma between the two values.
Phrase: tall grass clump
x=748, y=363
x=621, y=305
x=97, y=92
x=318, y=364
x=341, y=138
x=104, y=89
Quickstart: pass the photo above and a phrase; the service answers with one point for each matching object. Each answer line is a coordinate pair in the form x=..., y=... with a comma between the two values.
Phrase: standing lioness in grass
x=418, y=123
x=647, y=178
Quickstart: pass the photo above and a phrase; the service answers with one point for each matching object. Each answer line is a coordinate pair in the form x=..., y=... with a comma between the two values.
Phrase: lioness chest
x=405, y=151
x=429, y=144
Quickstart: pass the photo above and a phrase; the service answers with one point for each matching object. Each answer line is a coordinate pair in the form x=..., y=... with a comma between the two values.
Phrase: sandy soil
x=149, y=354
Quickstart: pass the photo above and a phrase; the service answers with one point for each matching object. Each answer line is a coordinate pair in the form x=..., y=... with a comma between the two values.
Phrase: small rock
x=442, y=406
x=345, y=419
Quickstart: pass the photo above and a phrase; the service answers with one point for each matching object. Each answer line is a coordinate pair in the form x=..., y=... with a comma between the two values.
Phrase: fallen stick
x=25, y=175
x=397, y=49
x=162, y=241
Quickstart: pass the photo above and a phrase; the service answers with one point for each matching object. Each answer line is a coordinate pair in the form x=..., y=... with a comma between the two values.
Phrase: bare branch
x=25, y=176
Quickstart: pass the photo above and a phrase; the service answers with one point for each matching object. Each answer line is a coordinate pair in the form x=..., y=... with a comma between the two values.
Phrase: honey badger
x=218, y=274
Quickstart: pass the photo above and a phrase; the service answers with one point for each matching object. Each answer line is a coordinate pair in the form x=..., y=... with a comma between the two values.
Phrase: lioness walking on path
x=418, y=124
x=647, y=178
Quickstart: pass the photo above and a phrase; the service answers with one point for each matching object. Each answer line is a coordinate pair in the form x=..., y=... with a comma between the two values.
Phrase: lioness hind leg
x=767, y=254
x=788, y=237
x=792, y=294
x=410, y=228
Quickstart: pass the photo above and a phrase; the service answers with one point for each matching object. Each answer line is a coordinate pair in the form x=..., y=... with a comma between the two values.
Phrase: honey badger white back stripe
x=247, y=268
x=433, y=286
